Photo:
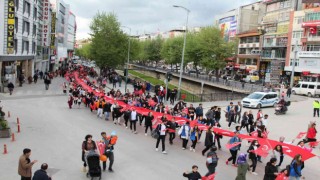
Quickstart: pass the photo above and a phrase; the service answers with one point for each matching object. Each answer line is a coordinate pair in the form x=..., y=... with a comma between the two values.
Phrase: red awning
x=311, y=24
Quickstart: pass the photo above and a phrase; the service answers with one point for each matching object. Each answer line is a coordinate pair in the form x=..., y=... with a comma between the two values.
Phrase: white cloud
x=150, y=15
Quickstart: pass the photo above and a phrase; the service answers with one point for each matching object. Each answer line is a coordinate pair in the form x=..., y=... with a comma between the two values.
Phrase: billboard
x=46, y=21
x=53, y=30
x=228, y=27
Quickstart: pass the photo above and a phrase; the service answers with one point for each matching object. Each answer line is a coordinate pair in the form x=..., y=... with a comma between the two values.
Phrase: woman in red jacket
x=311, y=134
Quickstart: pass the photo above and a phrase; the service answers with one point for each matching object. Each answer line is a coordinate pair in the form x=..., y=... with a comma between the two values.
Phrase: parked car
x=260, y=99
x=310, y=89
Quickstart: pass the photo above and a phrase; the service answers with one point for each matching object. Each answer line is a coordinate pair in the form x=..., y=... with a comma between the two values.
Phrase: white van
x=260, y=99
x=310, y=89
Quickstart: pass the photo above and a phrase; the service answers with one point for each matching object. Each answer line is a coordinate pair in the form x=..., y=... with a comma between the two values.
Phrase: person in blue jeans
x=234, y=150
x=296, y=167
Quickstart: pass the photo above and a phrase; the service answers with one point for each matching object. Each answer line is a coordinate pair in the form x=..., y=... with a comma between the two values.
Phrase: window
x=311, y=47
x=16, y=46
x=16, y=3
x=34, y=32
x=25, y=46
x=318, y=87
x=297, y=34
x=26, y=8
x=16, y=24
x=304, y=86
x=313, y=16
x=35, y=13
x=311, y=86
x=26, y=27
x=298, y=20
x=33, y=47
x=297, y=62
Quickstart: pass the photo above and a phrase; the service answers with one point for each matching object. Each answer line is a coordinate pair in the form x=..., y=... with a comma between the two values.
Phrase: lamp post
x=127, y=71
x=295, y=50
x=183, y=49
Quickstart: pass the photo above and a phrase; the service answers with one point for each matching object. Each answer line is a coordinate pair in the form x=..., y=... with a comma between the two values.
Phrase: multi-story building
x=275, y=27
x=65, y=34
x=243, y=23
x=18, y=37
x=305, y=32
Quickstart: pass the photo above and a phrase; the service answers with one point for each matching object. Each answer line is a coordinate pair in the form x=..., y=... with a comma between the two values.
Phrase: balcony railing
x=313, y=38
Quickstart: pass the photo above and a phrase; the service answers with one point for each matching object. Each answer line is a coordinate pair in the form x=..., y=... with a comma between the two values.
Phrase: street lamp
x=183, y=49
x=295, y=50
x=127, y=71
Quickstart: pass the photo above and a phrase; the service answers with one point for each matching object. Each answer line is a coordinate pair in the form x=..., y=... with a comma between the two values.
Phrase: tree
x=193, y=52
x=171, y=50
x=109, y=45
x=153, y=49
x=213, y=49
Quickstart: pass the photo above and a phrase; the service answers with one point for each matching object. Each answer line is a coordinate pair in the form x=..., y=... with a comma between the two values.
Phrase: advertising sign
x=228, y=27
x=53, y=30
x=45, y=29
x=10, y=29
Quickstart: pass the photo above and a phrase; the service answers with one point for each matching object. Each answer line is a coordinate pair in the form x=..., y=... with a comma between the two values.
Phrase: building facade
x=305, y=32
x=18, y=36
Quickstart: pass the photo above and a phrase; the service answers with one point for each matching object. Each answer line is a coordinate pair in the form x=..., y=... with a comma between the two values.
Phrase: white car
x=260, y=99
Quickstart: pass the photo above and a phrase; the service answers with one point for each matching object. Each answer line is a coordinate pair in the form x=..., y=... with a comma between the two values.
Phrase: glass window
x=311, y=86
x=304, y=86
x=16, y=46
x=16, y=24
x=318, y=87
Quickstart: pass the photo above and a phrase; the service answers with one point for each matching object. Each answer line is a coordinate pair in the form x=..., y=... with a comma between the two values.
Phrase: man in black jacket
x=212, y=161
x=208, y=141
x=41, y=174
x=194, y=175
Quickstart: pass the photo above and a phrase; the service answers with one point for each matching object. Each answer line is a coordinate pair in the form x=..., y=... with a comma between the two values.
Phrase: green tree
x=194, y=51
x=109, y=45
x=213, y=49
x=153, y=50
x=171, y=50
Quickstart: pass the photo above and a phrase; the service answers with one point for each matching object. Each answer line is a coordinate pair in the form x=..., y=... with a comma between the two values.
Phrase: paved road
x=54, y=133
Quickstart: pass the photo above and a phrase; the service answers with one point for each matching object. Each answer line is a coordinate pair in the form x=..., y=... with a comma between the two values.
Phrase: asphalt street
x=55, y=133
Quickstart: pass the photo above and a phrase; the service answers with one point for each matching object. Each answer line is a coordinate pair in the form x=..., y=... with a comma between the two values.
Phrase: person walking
x=245, y=121
x=172, y=130
x=271, y=170
x=184, y=133
x=289, y=91
x=25, y=165
x=133, y=120
x=208, y=142
x=148, y=122
x=199, y=111
x=70, y=101
x=108, y=150
x=87, y=145
x=238, y=110
x=21, y=79
x=194, y=175
x=278, y=154
x=161, y=130
x=231, y=115
x=107, y=110
x=10, y=87
x=35, y=78
x=316, y=107
x=126, y=117
x=194, y=137
x=234, y=150
x=47, y=80
x=41, y=174
x=296, y=167
x=253, y=156
x=212, y=161
x=243, y=167
x=99, y=104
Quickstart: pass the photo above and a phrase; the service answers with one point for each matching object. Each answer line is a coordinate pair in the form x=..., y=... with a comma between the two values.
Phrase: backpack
x=212, y=159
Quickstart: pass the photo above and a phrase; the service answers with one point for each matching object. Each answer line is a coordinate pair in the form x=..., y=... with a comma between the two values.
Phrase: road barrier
x=12, y=137
x=18, y=121
x=8, y=113
x=18, y=128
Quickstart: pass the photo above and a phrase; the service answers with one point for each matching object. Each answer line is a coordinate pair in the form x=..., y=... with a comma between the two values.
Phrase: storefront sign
x=270, y=28
x=283, y=41
x=305, y=72
x=309, y=54
x=311, y=24
x=282, y=28
x=45, y=29
x=53, y=30
x=10, y=29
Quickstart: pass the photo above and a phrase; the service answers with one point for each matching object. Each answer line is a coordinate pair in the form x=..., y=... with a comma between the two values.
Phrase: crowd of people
x=192, y=128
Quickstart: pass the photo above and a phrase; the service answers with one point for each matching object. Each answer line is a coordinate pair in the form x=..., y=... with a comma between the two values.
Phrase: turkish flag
x=223, y=132
x=282, y=176
x=210, y=177
x=314, y=144
x=300, y=135
x=229, y=146
x=261, y=152
x=151, y=102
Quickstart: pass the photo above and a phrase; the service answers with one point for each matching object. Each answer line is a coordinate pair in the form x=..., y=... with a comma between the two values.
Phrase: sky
x=150, y=16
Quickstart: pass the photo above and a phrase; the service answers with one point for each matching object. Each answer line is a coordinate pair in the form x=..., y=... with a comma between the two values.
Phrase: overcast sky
x=148, y=16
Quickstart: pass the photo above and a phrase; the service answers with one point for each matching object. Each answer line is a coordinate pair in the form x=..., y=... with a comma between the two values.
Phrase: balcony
x=249, y=45
x=313, y=38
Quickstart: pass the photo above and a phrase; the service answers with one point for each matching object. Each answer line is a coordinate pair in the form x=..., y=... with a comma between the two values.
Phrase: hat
x=113, y=133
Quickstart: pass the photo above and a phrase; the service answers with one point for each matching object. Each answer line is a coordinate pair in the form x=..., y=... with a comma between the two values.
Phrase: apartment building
x=18, y=37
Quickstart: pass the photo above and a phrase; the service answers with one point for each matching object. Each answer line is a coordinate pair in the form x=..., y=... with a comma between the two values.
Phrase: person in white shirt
x=264, y=120
x=162, y=130
x=133, y=120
